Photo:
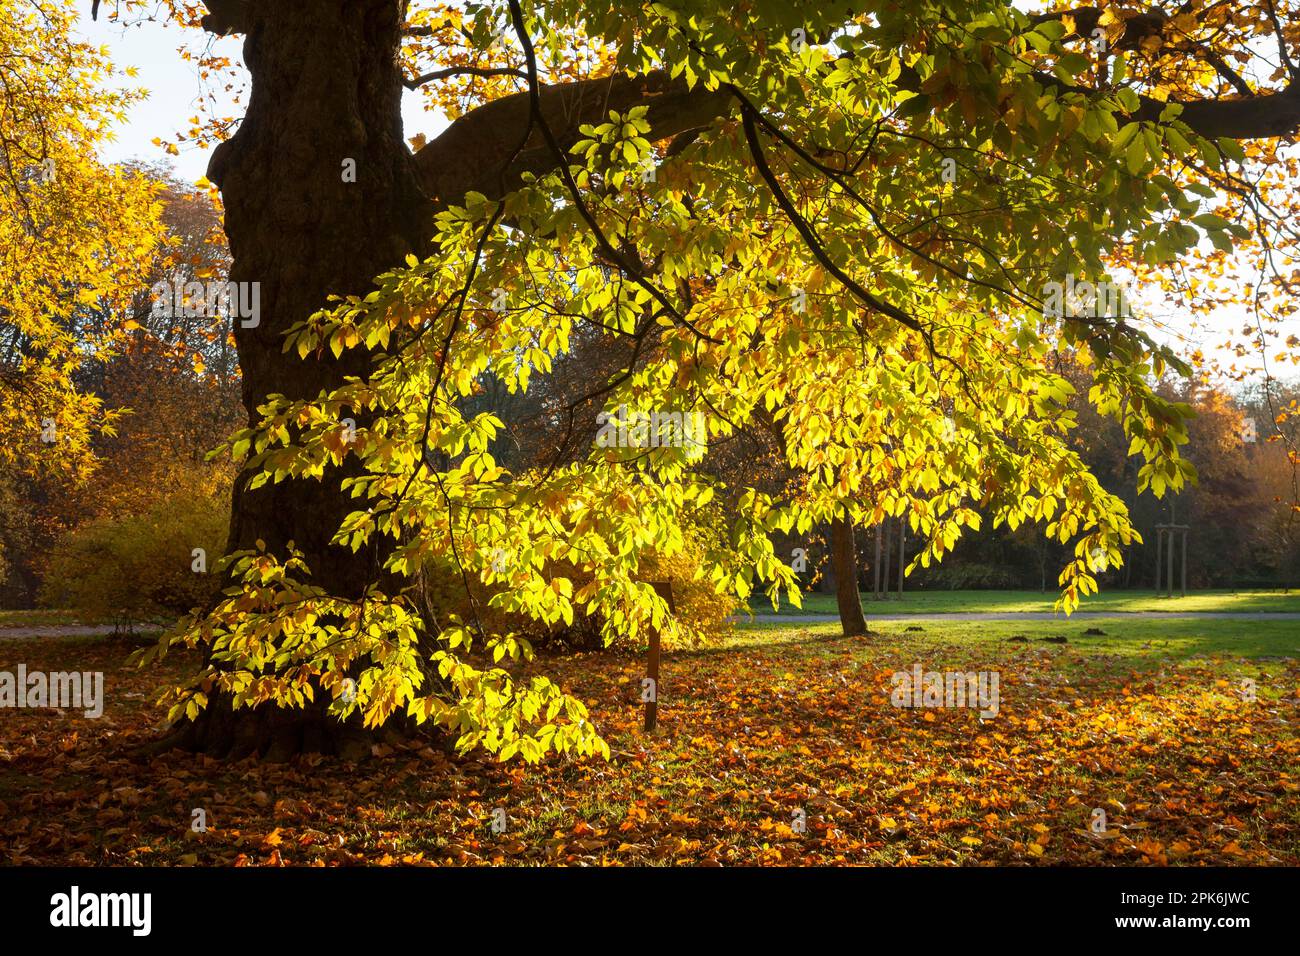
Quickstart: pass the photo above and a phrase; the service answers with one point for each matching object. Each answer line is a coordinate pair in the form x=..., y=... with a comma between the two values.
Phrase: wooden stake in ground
x=902, y=554
x=650, y=691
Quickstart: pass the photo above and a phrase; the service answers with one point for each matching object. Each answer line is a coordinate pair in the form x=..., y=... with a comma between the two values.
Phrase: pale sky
x=174, y=93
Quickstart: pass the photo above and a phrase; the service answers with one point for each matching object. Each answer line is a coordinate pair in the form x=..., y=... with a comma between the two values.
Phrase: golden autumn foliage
x=76, y=236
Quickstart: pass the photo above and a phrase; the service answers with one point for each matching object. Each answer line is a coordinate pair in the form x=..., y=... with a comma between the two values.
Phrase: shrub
x=141, y=566
x=973, y=576
x=701, y=612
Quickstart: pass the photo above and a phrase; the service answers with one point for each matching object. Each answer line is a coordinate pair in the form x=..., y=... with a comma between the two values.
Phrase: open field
x=1146, y=721
x=1117, y=602
x=38, y=618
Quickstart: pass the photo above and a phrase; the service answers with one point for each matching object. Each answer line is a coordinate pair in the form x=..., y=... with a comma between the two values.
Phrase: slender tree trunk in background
x=326, y=90
x=1184, y=579
x=902, y=555
x=1160, y=541
x=1169, y=555
x=885, y=567
x=844, y=559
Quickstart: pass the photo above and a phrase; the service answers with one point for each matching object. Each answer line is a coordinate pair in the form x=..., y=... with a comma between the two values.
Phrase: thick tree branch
x=1256, y=117
x=1253, y=116
x=480, y=150
x=473, y=154
x=1086, y=20
x=1263, y=115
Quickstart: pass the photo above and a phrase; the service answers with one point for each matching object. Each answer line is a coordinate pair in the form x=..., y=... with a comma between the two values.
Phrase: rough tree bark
x=325, y=89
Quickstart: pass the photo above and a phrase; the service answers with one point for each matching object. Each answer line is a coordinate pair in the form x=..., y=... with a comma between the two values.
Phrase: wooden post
x=902, y=545
x=665, y=590
x=1185, y=562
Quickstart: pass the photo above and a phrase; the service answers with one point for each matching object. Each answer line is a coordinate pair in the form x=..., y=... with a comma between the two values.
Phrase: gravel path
x=68, y=630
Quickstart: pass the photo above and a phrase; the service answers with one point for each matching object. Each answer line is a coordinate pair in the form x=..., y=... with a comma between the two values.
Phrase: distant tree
x=75, y=235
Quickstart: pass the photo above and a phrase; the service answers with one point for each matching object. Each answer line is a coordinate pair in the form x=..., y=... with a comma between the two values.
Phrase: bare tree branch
x=1281, y=43
x=413, y=83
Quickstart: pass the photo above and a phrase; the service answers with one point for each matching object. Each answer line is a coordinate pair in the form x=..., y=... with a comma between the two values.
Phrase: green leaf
x=1136, y=155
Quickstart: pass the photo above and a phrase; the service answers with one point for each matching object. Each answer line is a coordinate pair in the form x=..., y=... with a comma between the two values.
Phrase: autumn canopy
x=870, y=235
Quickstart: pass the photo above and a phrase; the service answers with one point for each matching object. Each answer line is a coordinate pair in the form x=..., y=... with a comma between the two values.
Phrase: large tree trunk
x=844, y=560
x=325, y=89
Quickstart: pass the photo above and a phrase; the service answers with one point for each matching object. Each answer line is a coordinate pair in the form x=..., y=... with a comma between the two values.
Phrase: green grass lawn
x=1117, y=602
x=1128, y=643
x=42, y=618
x=916, y=602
